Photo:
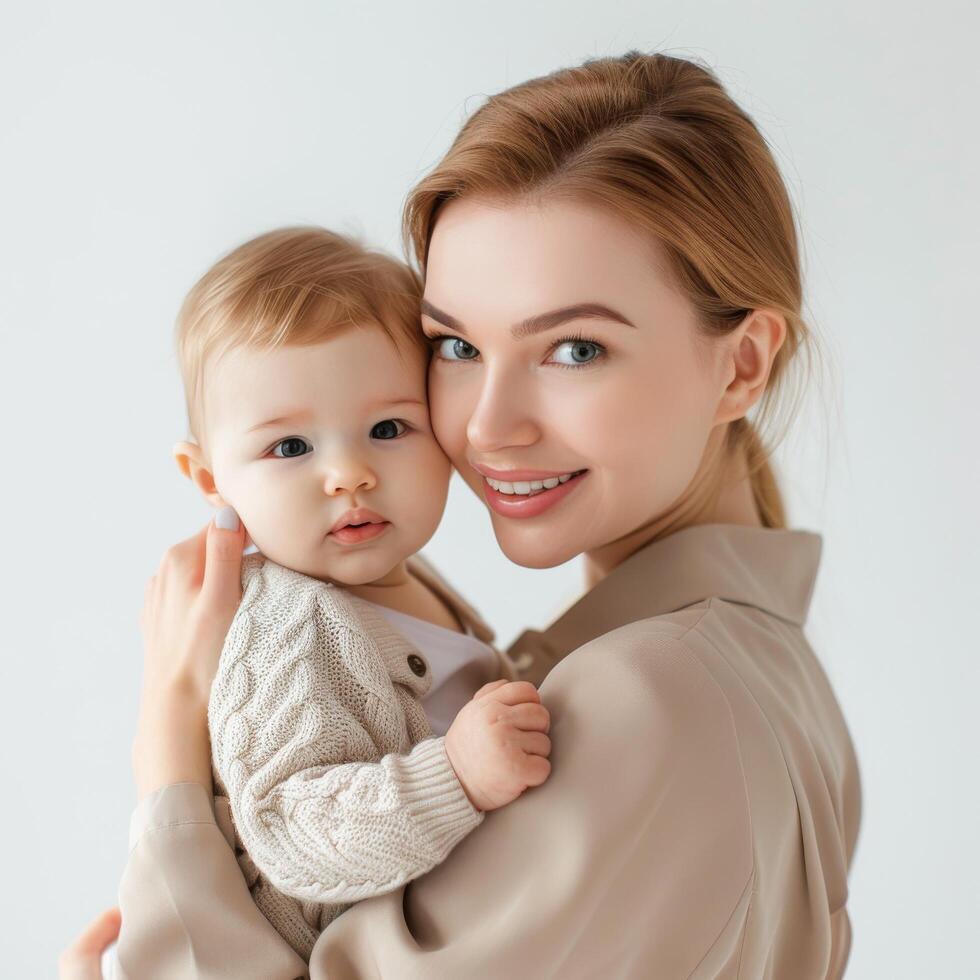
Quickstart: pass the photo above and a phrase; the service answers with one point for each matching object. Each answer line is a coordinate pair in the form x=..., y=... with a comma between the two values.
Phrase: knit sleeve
x=299, y=706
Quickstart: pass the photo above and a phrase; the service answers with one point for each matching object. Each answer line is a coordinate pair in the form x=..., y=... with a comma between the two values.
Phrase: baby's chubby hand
x=498, y=743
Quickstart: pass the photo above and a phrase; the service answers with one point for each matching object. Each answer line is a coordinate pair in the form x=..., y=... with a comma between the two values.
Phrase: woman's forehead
x=519, y=260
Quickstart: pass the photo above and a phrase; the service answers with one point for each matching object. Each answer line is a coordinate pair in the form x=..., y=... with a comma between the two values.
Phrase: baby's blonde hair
x=293, y=286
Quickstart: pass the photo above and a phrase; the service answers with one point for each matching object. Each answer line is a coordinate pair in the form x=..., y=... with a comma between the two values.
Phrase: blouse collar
x=771, y=569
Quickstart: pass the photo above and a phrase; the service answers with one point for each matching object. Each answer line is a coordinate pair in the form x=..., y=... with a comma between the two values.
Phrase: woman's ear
x=750, y=350
x=191, y=462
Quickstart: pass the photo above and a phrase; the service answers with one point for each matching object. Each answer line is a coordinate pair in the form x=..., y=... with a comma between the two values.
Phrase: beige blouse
x=699, y=821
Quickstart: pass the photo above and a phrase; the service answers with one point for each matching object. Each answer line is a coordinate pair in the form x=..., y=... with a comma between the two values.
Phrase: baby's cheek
x=419, y=495
x=282, y=531
x=432, y=469
x=450, y=407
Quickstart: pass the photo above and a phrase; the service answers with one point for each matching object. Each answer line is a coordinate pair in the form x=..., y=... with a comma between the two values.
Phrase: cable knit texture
x=337, y=787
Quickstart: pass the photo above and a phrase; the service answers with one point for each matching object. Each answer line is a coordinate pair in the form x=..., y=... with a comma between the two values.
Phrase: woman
x=611, y=283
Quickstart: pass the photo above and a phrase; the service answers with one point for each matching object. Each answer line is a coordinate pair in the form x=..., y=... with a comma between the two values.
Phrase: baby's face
x=299, y=436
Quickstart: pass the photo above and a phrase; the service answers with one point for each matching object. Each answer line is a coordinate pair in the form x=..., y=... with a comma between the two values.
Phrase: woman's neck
x=720, y=493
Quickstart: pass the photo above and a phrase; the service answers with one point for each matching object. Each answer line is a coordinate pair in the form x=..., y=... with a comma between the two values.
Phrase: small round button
x=417, y=664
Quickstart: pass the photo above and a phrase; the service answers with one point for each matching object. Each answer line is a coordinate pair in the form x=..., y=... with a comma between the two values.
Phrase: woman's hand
x=82, y=960
x=188, y=608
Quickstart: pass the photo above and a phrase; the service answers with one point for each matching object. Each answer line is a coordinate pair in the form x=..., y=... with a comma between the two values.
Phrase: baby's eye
x=388, y=429
x=578, y=352
x=454, y=349
x=292, y=447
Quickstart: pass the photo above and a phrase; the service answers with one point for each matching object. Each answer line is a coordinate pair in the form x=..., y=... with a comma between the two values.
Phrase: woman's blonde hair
x=657, y=140
x=292, y=286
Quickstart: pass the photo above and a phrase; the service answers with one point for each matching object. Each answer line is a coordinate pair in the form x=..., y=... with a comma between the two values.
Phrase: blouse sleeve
x=633, y=858
x=186, y=909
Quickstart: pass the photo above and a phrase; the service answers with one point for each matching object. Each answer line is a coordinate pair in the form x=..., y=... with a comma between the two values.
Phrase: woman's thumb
x=223, y=561
x=81, y=960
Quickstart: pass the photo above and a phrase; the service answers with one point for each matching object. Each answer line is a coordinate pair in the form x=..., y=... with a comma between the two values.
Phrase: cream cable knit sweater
x=337, y=788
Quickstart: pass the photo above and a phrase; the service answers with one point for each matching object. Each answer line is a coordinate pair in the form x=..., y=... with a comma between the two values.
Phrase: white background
x=139, y=141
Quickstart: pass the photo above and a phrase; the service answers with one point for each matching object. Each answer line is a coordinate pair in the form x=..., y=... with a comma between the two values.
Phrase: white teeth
x=525, y=488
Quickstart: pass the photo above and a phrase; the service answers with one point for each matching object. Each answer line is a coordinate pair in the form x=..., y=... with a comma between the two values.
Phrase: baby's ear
x=191, y=462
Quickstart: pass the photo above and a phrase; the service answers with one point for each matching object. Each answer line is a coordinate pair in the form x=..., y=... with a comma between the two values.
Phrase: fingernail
x=226, y=519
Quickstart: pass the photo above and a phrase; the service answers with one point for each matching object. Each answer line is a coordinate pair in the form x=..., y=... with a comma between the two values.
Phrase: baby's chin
x=359, y=573
x=365, y=563
x=360, y=567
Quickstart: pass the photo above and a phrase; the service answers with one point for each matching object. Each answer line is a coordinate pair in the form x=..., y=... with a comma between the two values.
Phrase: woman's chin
x=532, y=547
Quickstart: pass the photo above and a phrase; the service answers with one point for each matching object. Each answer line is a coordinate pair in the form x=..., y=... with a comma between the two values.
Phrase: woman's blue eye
x=455, y=349
x=292, y=447
x=579, y=352
x=388, y=429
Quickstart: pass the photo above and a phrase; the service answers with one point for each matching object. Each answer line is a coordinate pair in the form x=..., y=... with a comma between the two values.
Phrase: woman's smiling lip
x=520, y=476
x=533, y=504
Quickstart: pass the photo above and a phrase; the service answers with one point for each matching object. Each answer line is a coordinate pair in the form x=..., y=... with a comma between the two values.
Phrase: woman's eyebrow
x=542, y=321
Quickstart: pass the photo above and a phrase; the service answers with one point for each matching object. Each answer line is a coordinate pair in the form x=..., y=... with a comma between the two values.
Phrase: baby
x=305, y=380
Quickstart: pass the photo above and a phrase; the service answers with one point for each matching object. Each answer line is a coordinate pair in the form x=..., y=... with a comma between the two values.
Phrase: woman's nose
x=503, y=416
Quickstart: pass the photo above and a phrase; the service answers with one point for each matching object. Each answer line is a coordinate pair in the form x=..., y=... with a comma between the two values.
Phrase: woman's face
x=565, y=356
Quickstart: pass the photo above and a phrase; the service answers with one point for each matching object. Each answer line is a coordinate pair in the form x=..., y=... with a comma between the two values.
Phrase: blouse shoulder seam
x=700, y=667
x=750, y=879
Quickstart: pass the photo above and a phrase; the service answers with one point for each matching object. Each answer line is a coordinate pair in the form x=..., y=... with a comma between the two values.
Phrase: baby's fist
x=498, y=743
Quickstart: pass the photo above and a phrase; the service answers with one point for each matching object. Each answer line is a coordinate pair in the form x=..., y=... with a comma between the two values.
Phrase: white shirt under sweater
x=338, y=786
x=460, y=663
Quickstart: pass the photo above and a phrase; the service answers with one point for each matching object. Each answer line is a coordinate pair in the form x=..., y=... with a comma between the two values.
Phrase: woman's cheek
x=642, y=446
